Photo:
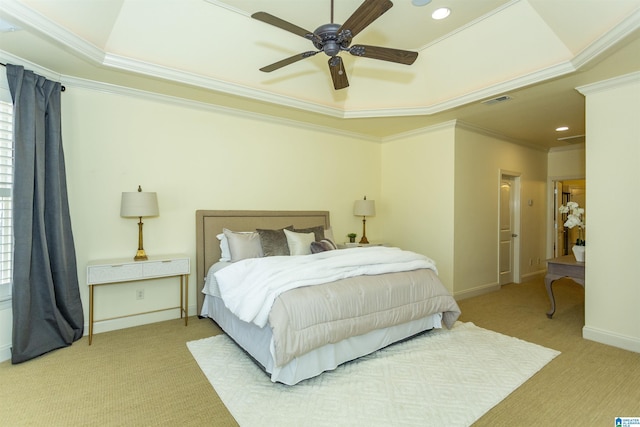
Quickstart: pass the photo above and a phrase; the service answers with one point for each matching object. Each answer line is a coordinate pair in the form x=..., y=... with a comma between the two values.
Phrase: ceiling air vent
x=575, y=139
x=501, y=98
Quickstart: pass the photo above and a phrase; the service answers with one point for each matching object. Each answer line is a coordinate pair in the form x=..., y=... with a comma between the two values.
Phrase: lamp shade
x=364, y=207
x=139, y=204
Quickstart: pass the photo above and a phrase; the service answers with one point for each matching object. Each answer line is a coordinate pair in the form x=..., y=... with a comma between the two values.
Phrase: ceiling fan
x=334, y=38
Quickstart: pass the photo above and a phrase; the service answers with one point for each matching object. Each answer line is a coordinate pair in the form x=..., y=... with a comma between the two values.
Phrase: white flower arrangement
x=574, y=219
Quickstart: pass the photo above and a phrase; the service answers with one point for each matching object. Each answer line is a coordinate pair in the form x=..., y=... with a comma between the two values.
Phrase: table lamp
x=138, y=204
x=364, y=208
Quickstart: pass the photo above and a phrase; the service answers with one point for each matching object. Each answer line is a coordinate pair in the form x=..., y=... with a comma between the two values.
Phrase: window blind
x=6, y=199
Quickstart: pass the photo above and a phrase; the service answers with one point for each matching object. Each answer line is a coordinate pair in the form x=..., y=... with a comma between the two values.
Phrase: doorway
x=509, y=229
x=570, y=190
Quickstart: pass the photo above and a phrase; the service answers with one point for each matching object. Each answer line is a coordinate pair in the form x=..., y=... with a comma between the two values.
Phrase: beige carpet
x=445, y=377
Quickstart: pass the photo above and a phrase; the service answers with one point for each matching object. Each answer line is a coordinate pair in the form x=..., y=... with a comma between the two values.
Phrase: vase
x=578, y=252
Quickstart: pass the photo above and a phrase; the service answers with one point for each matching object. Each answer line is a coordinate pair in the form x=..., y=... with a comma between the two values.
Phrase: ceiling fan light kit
x=334, y=38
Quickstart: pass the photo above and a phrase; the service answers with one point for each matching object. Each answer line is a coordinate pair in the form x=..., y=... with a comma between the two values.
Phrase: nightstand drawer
x=165, y=268
x=114, y=273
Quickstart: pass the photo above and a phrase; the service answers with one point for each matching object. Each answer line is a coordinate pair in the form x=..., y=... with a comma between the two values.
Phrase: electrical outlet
x=140, y=294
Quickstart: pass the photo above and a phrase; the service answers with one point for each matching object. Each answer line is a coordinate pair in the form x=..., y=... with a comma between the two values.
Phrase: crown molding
x=492, y=134
x=626, y=79
x=475, y=96
x=230, y=8
x=152, y=70
x=37, y=22
x=459, y=124
x=74, y=82
x=608, y=40
x=179, y=76
x=8, y=58
x=28, y=17
x=422, y=131
x=467, y=25
x=571, y=147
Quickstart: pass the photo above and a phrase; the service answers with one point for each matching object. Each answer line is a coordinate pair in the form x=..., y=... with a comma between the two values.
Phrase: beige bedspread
x=305, y=318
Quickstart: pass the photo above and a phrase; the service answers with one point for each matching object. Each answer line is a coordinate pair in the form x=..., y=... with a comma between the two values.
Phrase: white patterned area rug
x=445, y=377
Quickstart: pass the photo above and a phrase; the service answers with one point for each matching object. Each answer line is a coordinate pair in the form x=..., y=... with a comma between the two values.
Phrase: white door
x=507, y=229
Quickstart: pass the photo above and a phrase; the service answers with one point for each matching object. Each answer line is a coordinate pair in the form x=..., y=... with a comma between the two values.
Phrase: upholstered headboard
x=210, y=223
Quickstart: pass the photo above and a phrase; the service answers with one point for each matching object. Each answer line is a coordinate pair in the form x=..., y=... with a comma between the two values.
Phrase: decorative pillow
x=225, y=253
x=274, y=242
x=299, y=243
x=318, y=232
x=322, y=246
x=243, y=245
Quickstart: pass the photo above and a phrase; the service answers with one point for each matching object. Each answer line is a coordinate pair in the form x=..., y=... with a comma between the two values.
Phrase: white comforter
x=249, y=287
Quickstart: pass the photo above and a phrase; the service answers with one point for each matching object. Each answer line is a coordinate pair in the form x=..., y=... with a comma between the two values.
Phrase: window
x=6, y=192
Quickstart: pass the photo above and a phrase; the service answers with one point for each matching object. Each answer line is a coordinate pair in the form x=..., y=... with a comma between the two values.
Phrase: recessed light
x=420, y=2
x=562, y=128
x=441, y=13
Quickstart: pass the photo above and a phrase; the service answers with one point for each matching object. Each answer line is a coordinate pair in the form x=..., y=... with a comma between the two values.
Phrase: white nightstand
x=346, y=245
x=111, y=272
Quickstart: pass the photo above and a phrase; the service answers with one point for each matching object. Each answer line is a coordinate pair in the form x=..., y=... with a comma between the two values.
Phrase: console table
x=557, y=268
x=110, y=272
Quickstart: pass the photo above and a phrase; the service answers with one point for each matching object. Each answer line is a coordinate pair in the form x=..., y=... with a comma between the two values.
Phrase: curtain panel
x=47, y=309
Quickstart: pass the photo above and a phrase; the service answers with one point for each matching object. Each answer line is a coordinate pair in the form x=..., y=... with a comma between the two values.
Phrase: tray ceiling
x=484, y=49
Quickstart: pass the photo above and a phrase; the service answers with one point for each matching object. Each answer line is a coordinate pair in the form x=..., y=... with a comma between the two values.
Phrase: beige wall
x=443, y=185
x=417, y=189
x=568, y=162
x=480, y=160
x=194, y=159
x=613, y=176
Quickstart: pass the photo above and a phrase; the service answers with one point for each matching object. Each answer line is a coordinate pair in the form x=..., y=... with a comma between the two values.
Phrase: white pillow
x=225, y=253
x=299, y=243
x=243, y=245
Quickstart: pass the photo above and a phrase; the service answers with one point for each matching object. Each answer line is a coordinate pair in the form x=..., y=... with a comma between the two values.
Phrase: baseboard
x=478, y=290
x=609, y=338
x=6, y=327
x=135, y=320
x=5, y=352
x=533, y=275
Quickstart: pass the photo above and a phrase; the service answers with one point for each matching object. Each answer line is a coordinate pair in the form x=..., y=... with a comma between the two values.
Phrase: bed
x=298, y=331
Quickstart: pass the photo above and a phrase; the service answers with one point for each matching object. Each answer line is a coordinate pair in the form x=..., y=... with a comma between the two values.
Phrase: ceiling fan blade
x=368, y=12
x=384, y=53
x=287, y=26
x=338, y=73
x=289, y=60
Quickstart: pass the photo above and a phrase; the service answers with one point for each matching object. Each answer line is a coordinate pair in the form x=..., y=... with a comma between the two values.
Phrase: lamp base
x=140, y=255
x=364, y=240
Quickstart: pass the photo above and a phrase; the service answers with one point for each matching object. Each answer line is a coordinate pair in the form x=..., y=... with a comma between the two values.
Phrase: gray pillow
x=318, y=231
x=322, y=246
x=243, y=245
x=274, y=242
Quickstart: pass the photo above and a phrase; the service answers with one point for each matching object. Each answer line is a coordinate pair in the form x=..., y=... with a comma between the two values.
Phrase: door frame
x=551, y=229
x=515, y=213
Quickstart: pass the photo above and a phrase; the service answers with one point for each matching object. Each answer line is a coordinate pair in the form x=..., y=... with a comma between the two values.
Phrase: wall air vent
x=496, y=100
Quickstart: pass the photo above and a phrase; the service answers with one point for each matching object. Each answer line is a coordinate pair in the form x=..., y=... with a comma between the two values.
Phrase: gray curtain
x=47, y=309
